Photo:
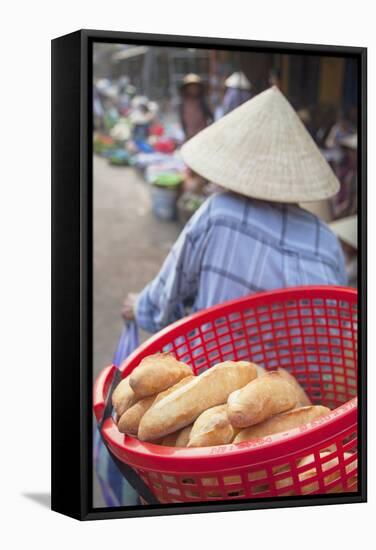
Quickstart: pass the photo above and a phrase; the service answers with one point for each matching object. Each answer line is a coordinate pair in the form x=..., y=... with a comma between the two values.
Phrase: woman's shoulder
x=309, y=217
x=222, y=200
x=245, y=209
x=226, y=205
x=222, y=205
x=325, y=239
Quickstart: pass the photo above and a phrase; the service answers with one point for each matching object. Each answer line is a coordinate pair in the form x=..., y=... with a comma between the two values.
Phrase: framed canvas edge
x=87, y=511
x=65, y=274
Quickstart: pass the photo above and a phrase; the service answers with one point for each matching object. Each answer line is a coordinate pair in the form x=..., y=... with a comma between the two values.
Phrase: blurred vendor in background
x=345, y=202
x=252, y=235
x=341, y=129
x=195, y=114
x=346, y=230
x=141, y=118
x=238, y=91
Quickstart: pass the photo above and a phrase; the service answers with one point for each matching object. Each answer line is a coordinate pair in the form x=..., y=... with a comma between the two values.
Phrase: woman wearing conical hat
x=252, y=235
x=194, y=111
x=238, y=91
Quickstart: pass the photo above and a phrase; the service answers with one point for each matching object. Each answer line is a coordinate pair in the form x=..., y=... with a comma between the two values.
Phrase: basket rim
x=149, y=455
x=154, y=342
x=205, y=459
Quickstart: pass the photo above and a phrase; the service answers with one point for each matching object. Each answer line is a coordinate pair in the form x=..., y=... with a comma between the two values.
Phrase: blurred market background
x=146, y=102
x=143, y=193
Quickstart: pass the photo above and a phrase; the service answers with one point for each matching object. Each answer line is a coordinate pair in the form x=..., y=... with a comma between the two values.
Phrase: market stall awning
x=128, y=53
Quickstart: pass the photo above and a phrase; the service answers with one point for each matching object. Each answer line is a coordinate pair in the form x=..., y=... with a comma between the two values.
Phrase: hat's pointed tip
x=272, y=93
x=275, y=89
x=265, y=127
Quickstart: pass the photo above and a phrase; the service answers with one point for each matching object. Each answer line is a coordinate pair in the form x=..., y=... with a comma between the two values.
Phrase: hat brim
x=262, y=150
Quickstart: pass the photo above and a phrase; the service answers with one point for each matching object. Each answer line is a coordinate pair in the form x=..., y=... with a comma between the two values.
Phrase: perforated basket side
x=312, y=331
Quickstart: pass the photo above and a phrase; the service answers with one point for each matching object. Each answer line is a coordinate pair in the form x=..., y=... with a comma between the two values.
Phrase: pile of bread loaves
x=162, y=402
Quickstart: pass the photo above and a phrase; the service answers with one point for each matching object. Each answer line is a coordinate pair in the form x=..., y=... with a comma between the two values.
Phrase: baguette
x=282, y=422
x=123, y=397
x=183, y=406
x=314, y=487
x=171, y=389
x=329, y=478
x=170, y=439
x=183, y=436
x=178, y=439
x=260, y=370
x=302, y=398
x=212, y=427
x=130, y=420
x=262, y=398
x=157, y=373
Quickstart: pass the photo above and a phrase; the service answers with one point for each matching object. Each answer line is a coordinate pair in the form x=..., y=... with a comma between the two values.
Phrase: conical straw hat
x=262, y=150
x=191, y=78
x=238, y=80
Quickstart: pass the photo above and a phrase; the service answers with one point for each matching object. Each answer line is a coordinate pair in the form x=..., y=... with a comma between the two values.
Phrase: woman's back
x=234, y=246
x=253, y=246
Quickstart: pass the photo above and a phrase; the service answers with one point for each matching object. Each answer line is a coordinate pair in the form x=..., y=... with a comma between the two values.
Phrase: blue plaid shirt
x=234, y=246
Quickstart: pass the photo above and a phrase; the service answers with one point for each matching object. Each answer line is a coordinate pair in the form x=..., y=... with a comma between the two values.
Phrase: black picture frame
x=72, y=272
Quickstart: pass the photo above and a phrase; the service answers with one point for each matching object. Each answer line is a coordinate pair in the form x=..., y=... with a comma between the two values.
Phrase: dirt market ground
x=130, y=245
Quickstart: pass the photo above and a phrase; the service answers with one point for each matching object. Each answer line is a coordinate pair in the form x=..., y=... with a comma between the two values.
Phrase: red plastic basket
x=312, y=332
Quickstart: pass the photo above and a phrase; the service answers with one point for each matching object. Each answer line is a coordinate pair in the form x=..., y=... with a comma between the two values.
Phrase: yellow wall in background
x=331, y=78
